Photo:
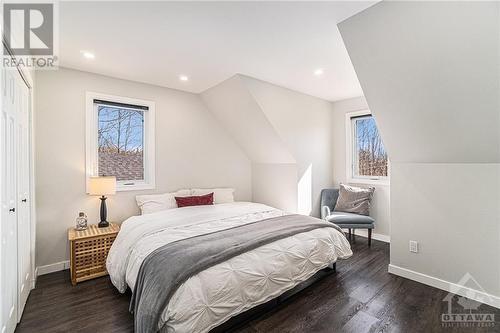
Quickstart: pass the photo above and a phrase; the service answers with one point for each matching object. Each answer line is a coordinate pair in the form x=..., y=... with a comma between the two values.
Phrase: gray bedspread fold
x=166, y=268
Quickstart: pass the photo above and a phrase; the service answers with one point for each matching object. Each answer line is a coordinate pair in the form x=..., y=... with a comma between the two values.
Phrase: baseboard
x=379, y=237
x=477, y=295
x=55, y=267
x=33, y=280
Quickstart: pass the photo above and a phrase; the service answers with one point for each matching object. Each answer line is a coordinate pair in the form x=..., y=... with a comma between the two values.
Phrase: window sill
x=135, y=187
x=362, y=181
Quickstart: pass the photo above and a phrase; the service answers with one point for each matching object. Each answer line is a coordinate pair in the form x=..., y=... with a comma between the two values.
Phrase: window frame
x=351, y=148
x=91, y=146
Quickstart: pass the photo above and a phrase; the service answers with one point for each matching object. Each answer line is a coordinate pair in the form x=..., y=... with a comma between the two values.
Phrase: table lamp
x=102, y=186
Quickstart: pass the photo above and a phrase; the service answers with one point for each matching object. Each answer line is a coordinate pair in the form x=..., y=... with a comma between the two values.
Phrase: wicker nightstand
x=89, y=250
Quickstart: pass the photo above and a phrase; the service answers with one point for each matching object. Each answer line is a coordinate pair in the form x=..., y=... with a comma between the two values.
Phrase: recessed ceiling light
x=319, y=72
x=183, y=78
x=88, y=55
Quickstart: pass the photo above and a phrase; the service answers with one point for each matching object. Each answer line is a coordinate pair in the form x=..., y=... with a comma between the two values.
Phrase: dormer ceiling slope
x=237, y=110
x=430, y=72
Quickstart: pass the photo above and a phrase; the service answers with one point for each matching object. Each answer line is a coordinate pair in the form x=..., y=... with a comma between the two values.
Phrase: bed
x=228, y=288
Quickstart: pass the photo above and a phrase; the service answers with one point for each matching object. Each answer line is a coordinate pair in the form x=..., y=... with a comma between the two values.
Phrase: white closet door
x=8, y=228
x=23, y=192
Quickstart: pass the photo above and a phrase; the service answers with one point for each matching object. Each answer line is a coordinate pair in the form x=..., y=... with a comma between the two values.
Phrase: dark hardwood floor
x=360, y=297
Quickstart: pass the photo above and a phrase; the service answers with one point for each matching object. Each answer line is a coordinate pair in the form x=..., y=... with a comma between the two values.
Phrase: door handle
x=24, y=200
x=12, y=210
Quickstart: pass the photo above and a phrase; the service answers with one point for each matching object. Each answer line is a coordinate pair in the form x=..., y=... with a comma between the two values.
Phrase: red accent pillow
x=196, y=200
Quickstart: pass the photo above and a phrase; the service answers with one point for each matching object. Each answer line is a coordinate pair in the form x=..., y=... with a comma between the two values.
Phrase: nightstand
x=89, y=249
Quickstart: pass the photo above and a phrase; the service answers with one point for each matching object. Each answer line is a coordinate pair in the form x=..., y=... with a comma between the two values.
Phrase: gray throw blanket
x=166, y=268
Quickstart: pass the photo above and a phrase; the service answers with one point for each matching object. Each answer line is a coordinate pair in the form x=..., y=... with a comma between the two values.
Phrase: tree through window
x=369, y=155
x=121, y=142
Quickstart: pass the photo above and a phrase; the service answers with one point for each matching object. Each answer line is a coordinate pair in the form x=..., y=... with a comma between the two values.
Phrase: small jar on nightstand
x=81, y=222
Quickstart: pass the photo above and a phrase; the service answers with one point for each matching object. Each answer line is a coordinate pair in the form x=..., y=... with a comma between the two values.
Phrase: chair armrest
x=325, y=211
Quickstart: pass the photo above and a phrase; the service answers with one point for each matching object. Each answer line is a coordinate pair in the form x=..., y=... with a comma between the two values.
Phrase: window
x=366, y=156
x=120, y=140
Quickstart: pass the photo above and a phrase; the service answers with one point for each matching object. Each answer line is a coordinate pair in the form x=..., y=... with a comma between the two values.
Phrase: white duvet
x=211, y=297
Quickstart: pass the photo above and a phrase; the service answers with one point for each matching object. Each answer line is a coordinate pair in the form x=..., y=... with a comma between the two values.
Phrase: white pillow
x=152, y=203
x=221, y=195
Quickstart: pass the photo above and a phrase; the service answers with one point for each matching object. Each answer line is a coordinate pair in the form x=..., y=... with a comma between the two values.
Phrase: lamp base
x=103, y=224
x=104, y=213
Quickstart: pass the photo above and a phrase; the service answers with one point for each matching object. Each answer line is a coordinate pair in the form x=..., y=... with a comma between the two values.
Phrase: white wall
x=192, y=150
x=275, y=185
x=380, y=208
x=453, y=210
x=429, y=71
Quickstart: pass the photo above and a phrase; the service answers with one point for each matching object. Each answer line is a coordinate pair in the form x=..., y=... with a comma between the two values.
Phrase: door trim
x=28, y=81
x=21, y=69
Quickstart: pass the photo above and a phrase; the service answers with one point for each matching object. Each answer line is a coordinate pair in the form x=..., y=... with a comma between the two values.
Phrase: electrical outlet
x=414, y=246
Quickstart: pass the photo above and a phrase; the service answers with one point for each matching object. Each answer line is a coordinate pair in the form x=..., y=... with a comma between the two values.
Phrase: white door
x=23, y=193
x=8, y=225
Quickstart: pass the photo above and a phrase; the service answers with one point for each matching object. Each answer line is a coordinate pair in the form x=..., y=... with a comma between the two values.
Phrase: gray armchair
x=349, y=221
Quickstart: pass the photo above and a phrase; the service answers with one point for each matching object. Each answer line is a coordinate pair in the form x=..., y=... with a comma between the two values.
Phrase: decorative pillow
x=196, y=200
x=221, y=195
x=354, y=199
x=153, y=203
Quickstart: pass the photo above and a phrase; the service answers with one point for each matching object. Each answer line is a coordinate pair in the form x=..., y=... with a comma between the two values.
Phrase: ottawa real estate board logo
x=468, y=311
x=30, y=36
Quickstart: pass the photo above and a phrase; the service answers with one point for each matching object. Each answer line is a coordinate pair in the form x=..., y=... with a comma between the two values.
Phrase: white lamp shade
x=102, y=185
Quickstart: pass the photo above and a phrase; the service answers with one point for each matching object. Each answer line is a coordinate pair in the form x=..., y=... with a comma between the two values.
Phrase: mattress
x=213, y=296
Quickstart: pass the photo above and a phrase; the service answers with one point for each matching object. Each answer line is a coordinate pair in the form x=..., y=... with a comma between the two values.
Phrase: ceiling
x=156, y=42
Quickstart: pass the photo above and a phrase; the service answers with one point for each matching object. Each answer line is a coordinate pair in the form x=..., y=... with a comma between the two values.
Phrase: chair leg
x=350, y=234
x=369, y=237
x=354, y=235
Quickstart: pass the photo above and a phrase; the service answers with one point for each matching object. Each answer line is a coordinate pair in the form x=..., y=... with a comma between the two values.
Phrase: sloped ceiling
x=234, y=106
x=154, y=42
x=284, y=133
x=434, y=88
